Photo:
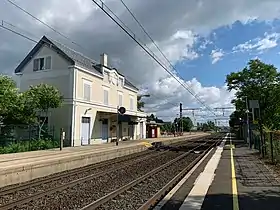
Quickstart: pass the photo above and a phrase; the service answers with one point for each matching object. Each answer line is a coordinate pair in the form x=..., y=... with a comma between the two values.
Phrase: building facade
x=92, y=92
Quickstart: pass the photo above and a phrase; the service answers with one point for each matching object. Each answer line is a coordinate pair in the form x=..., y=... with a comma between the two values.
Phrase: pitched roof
x=74, y=57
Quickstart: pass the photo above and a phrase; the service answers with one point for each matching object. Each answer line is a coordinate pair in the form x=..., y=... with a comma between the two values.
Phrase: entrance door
x=85, y=131
x=141, y=130
x=131, y=131
x=120, y=131
x=105, y=130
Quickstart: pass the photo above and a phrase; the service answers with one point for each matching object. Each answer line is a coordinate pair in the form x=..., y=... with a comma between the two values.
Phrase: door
x=131, y=131
x=85, y=131
x=141, y=130
x=120, y=131
x=105, y=131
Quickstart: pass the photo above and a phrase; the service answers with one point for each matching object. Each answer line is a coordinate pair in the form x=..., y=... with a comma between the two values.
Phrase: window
x=106, y=97
x=131, y=103
x=106, y=76
x=87, y=90
x=121, y=81
x=120, y=99
x=48, y=62
x=42, y=63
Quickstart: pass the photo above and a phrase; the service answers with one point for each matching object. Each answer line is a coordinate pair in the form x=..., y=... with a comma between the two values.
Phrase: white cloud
x=259, y=44
x=216, y=55
x=174, y=27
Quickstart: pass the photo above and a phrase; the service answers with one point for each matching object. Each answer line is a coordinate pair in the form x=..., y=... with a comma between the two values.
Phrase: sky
x=203, y=40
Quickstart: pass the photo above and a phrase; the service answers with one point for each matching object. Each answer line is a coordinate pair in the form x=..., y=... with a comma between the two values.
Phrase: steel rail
x=64, y=174
x=122, y=189
x=163, y=191
x=61, y=187
x=68, y=173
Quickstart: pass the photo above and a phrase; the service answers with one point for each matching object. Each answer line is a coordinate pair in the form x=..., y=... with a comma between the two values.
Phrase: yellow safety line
x=234, y=184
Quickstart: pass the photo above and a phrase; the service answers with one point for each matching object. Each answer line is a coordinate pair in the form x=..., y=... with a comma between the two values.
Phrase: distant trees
x=187, y=123
x=207, y=126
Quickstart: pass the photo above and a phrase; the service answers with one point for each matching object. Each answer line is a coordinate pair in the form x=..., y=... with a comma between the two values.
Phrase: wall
x=158, y=132
x=97, y=93
x=59, y=75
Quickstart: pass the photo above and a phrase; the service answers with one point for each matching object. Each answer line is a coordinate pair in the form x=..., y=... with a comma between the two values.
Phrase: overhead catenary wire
x=30, y=39
x=133, y=36
x=45, y=24
x=73, y=42
x=158, y=48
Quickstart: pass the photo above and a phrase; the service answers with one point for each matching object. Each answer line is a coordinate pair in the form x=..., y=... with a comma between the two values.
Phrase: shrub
x=32, y=145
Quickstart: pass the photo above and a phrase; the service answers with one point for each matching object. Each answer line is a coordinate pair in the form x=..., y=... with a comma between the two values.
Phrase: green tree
x=14, y=106
x=140, y=104
x=257, y=81
x=187, y=123
x=43, y=98
x=8, y=96
x=166, y=127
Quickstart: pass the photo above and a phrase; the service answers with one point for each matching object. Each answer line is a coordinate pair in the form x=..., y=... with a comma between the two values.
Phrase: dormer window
x=121, y=81
x=43, y=63
x=106, y=76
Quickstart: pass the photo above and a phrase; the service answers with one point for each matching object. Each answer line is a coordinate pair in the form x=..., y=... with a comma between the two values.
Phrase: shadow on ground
x=266, y=200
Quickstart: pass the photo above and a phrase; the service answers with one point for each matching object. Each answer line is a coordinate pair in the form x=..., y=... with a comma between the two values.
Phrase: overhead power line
x=45, y=24
x=158, y=48
x=132, y=36
x=75, y=43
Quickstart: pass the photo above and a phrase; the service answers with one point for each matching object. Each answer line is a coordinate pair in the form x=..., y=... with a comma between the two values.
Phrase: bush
x=33, y=145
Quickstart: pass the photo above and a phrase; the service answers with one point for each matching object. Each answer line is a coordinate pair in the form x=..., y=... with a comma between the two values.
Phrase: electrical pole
x=248, y=128
x=181, y=118
x=193, y=114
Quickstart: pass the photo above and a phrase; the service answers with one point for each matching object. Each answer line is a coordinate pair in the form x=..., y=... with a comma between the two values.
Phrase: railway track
x=27, y=196
x=136, y=193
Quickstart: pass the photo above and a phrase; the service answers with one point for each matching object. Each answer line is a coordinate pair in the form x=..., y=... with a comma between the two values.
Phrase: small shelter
x=153, y=129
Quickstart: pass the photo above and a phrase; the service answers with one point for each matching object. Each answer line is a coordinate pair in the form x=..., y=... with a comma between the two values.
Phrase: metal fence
x=268, y=145
x=27, y=137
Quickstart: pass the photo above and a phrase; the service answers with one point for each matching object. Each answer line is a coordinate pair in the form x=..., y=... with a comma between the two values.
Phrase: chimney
x=104, y=60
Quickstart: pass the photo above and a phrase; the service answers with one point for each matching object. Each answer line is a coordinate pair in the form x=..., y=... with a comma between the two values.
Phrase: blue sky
x=264, y=36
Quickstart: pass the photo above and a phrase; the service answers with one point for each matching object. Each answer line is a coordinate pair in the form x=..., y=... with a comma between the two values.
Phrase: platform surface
x=246, y=185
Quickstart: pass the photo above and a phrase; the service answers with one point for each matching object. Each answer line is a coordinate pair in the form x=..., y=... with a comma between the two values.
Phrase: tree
x=153, y=118
x=257, y=81
x=43, y=98
x=187, y=123
x=140, y=104
x=207, y=126
x=14, y=108
x=8, y=96
x=166, y=127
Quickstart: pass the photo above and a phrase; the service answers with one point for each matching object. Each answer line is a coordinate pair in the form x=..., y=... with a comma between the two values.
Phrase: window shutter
x=131, y=104
x=120, y=99
x=35, y=65
x=87, y=92
x=106, y=97
x=48, y=62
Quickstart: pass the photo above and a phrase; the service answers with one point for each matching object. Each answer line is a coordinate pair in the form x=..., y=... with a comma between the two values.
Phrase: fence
x=269, y=147
x=21, y=138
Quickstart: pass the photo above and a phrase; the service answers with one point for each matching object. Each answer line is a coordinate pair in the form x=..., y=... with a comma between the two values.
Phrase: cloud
x=259, y=44
x=174, y=27
x=216, y=55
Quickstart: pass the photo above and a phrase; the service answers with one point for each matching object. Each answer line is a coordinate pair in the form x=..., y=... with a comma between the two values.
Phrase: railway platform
x=22, y=167
x=231, y=177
